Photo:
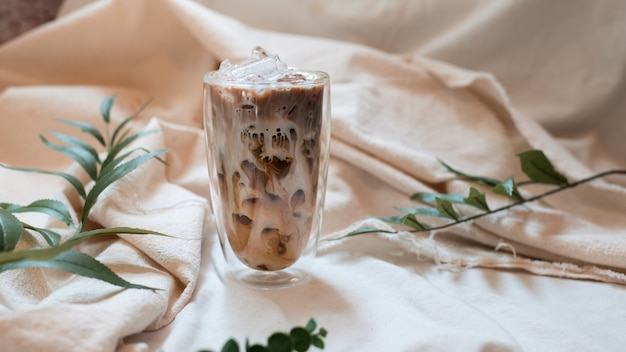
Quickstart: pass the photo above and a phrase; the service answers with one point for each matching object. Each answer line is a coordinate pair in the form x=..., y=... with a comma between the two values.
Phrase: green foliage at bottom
x=299, y=339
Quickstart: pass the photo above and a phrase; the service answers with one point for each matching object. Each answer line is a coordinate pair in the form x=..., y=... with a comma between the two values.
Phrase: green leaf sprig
x=534, y=164
x=118, y=162
x=299, y=338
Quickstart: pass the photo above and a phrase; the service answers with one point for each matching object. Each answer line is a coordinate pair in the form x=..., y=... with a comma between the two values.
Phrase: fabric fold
x=146, y=199
x=394, y=116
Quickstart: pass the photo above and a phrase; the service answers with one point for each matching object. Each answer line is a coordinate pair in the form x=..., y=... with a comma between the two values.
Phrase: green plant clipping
x=120, y=160
x=534, y=164
x=299, y=339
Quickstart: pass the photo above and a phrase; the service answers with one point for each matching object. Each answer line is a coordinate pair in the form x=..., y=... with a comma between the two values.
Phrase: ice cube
x=258, y=53
x=269, y=67
x=262, y=67
x=225, y=67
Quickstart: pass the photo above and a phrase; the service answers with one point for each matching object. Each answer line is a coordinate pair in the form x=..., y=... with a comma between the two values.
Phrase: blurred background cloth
x=19, y=16
x=562, y=63
x=543, y=74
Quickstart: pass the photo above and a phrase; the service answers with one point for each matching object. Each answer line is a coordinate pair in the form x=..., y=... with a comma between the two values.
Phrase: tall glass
x=267, y=147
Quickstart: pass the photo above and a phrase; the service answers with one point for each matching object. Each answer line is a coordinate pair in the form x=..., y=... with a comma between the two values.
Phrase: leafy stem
x=527, y=200
x=58, y=254
x=299, y=338
x=534, y=164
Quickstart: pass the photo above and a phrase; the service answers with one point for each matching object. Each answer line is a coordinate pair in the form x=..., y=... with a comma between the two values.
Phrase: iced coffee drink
x=267, y=149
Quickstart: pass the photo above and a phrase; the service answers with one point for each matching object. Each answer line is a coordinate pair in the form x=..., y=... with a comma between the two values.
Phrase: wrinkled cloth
x=438, y=84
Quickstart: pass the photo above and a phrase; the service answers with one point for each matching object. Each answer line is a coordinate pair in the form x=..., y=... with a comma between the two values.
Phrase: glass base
x=266, y=280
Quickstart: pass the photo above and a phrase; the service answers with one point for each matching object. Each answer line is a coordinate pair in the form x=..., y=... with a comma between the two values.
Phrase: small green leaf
x=411, y=221
x=538, y=168
x=50, y=207
x=10, y=230
x=318, y=342
x=428, y=211
x=323, y=332
x=81, y=156
x=111, y=160
x=311, y=325
x=477, y=199
x=508, y=188
x=111, y=163
x=279, y=342
x=231, y=346
x=105, y=107
x=427, y=197
x=399, y=219
x=35, y=254
x=69, y=178
x=120, y=127
x=446, y=209
x=42, y=254
x=257, y=348
x=85, y=127
x=51, y=237
x=76, y=263
x=107, y=178
x=486, y=180
x=301, y=338
x=79, y=143
x=115, y=231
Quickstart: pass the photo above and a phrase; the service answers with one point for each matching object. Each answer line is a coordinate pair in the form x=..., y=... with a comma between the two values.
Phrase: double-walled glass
x=267, y=147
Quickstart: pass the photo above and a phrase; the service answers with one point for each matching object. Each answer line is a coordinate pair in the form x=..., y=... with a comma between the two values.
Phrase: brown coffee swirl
x=268, y=146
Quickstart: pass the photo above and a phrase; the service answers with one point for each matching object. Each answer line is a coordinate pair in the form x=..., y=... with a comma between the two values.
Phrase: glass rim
x=319, y=77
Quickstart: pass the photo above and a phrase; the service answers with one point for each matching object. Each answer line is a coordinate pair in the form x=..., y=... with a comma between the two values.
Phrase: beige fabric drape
x=398, y=105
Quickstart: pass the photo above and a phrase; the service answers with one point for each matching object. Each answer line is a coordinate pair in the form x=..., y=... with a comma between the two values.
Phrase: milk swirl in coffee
x=266, y=140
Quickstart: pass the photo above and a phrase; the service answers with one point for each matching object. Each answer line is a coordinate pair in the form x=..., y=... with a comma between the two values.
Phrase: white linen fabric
x=471, y=83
